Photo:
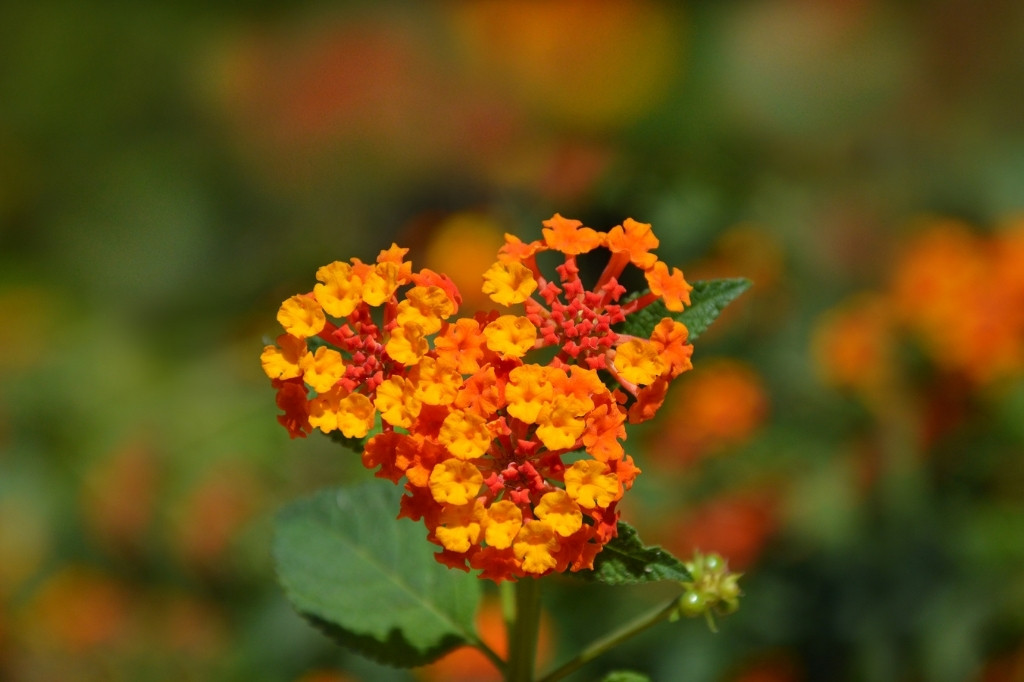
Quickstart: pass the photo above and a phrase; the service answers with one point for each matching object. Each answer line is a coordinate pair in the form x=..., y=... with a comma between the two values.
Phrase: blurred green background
x=851, y=436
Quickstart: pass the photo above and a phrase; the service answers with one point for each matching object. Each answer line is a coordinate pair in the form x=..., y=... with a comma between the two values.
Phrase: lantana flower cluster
x=506, y=426
x=956, y=293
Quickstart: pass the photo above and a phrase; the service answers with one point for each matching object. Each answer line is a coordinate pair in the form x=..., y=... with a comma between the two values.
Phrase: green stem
x=522, y=639
x=613, y=639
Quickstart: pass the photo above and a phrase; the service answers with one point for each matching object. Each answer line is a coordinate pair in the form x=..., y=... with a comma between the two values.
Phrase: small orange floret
x=635, y=240
x=673, y=289
x=569, y=236
x=669, y=339
x=517, y=250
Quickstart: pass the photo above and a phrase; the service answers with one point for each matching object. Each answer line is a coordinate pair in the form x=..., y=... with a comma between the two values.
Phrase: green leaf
x=369, y=580
x=626, y=561
x=707, y=301
x=625, y=676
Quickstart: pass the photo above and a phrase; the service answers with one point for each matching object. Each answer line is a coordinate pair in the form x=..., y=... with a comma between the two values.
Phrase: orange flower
x=569, y=236
x=634, y=241
x=673, y=289
x=477, y=432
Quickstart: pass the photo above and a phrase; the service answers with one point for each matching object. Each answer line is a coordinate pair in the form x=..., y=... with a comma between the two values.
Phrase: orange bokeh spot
x=469, y=665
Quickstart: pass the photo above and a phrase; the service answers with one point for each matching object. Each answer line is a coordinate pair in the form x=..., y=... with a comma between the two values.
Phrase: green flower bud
x=692, y=603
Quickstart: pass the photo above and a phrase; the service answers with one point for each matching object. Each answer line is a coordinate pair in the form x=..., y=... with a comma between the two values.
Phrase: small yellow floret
x=322, y=369
x=559, y=511
x=509, y=282
x=592, y=484
x=283, y=360
x=455, y=481
x=351, y=413
x=637, y=361
x=535, y=545
x=465, y=435
x=436, y=382
x=561, y=424
x=301, y=316
x=355, y=416
x=527, y=392
x=425, y=307
x=459, y=526
x=510, y=335
x=380, y=283
x=407, y=344
x=397, y=402
x=502, y=523
x=339, y=291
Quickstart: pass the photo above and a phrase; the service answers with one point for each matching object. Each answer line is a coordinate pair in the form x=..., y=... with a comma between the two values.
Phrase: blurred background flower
x=850, y=436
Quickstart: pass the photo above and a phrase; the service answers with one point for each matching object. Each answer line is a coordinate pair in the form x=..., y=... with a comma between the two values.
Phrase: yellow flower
x=465, y=435
x=592, y=484
x=397, y=402
x=638, y=362
x=527, y=392
x=455, y=481
x=558, y=510
x=301, y=316
x=509, y=282
x=502, y=523
x=339, y=291
x=534, y=546
x=436, y=382
x=351, y=413
x=425, y=307
x=407, y=344
x=380, y=283
x=510, y=335
x=459, y=526
x=283, y=360
x=322, y=369
x=561, y=425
